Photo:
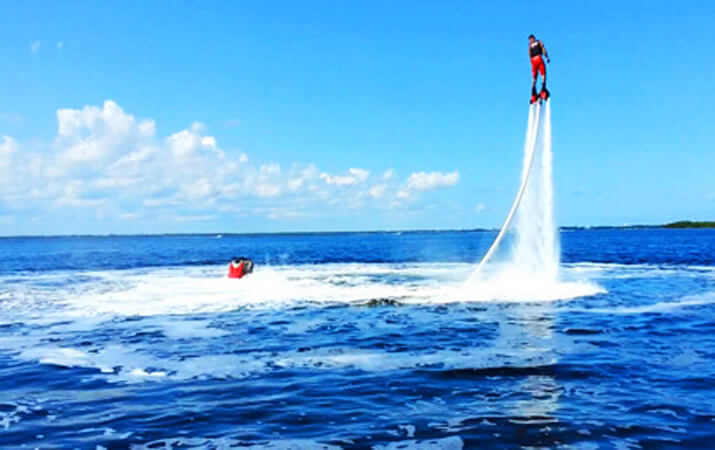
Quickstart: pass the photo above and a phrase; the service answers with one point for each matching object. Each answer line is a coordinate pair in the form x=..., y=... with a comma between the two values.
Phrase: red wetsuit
x=537, y=62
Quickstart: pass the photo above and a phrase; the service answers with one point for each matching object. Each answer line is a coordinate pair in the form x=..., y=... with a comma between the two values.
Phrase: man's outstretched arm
x=546, y=54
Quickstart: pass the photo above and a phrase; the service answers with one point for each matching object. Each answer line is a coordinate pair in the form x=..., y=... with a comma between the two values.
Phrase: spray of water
x=536, y=247
x=526, y=265
x=529, y=147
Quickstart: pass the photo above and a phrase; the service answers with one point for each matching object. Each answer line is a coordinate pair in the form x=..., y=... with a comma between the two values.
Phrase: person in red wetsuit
x=537, y=53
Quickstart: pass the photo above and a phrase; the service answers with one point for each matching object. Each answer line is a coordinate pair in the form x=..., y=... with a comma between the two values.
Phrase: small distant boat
x=239, y=267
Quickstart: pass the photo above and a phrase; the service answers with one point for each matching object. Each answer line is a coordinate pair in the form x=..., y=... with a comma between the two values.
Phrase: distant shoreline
x=679, y=224
x=683, y=224
x=690, y=224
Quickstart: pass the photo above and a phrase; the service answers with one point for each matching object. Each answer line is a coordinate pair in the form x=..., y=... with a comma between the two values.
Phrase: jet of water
x=535, y=250
x=536, y=246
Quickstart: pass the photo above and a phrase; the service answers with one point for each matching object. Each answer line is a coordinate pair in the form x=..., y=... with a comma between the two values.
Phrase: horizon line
x=260, y=233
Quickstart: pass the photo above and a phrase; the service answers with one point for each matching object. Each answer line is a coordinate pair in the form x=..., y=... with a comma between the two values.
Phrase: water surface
x=354, y=340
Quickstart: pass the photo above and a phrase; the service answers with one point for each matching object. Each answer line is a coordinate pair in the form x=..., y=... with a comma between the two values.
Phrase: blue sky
x=150, y=117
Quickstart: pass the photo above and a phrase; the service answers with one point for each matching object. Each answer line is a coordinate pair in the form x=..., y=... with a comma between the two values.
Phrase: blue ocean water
x=354, y=340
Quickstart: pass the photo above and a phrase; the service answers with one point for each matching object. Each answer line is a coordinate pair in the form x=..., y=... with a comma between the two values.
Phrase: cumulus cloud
x=187, y=143
x=93, y=136
x=109, y=163
x=35, y=46
x=426, y=181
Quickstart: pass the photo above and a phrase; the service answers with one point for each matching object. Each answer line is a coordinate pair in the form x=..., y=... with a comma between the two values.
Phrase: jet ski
x=239, y=267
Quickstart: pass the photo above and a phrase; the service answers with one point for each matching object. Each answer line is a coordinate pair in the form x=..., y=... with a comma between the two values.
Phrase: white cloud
x=359, y=174
x=270, y=169
x=186, y=143
x=208, y=142
x=131, y=162
x=377, y=191
x=267, y=190
x=426, y=181
x=198, y=189
x=354, y=176
x=480, y=207
x=94, y=135
x=35, y=46
x=106, y=161
x=71, y=196
x=295, y=184
x=147, y=128
x=116, y=183
x=60, y=45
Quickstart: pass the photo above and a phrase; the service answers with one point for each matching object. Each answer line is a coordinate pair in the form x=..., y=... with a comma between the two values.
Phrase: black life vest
x=535, y=49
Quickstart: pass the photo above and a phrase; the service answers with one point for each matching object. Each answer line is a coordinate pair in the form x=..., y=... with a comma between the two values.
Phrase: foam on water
x=514, y=282
x=128, y=360
x=683, y=304
x=189, y=290
x=140, y=362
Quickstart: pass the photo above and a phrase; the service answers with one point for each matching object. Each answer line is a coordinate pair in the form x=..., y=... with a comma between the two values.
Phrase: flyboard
x=532, y=133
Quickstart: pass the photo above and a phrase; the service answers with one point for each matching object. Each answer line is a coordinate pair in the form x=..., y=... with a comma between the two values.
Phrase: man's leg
x=544, y=92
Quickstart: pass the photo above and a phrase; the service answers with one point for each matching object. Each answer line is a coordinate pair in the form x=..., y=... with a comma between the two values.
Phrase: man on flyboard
x=537, y=53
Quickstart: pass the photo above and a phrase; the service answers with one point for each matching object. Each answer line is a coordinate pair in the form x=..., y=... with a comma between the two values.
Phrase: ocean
x=356, y=340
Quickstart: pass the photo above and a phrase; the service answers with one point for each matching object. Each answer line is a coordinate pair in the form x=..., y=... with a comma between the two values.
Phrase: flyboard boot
x=534, y=97
x=544, y=94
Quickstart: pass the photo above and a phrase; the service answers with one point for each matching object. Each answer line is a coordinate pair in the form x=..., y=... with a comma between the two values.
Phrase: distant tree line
x=690, y=224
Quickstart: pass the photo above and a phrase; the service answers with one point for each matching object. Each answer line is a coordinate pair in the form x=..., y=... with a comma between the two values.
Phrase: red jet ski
x=238, y=267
